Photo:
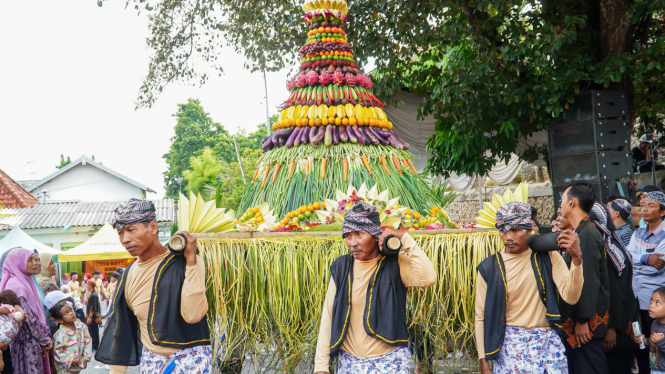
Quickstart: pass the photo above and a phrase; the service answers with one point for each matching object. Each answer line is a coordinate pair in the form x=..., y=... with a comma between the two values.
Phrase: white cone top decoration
x=321, y=5
x=197, y=215
x=487, y=218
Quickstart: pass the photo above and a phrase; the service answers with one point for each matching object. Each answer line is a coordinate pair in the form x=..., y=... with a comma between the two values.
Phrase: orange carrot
x=256, y=173
x=366, y=162
x=306, y=170
x=323, y=168
x=413, y=167
x=265, y=176
x=274, y=175
x=345, y=164
x=396, y=162
x=385, y=166
x=406, y=163
x=293, y=164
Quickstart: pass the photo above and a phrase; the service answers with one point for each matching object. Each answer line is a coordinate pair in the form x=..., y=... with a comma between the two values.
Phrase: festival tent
x=18, y=238
x=104, y=245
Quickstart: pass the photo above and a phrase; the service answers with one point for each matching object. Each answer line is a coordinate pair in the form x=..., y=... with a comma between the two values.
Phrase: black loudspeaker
x=603, y=192
x=594, y=167
x=590, y=142
x=595, y=105
x=585, y=136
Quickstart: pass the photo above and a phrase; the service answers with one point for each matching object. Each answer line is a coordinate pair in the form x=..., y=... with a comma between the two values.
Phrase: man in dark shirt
x=584, y=325
x=642, y=155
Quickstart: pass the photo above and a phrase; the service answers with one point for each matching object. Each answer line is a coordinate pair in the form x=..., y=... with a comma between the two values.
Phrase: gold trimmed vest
x=121, y=343
x=384, y=317
x=493, y=271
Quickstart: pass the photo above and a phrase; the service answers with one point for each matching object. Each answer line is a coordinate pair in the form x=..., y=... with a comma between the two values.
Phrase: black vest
x=385, y=309
x=121, y=343
x=493, y=271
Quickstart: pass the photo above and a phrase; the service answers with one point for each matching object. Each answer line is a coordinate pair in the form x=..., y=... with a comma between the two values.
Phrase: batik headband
x=656, y=196
x=599, y=217
x=513, y=214
x=362, y=217
x=622, y=206
x=132, y=212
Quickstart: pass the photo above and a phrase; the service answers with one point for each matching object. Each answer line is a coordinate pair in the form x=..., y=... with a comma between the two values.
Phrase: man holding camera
x=364, y=316
x=516, y=298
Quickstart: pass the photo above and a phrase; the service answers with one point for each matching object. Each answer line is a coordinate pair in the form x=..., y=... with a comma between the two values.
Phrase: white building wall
x=87, y=183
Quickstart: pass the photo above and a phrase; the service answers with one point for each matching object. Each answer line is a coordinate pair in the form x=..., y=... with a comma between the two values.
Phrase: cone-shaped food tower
x=332, y=130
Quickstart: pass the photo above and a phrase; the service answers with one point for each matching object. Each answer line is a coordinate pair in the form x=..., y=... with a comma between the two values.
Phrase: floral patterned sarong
x=196, y=360
x=395, y=362
x=535, y=351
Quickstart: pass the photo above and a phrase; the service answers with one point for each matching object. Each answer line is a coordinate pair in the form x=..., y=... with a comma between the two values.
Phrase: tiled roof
x=71, y=214
x=13, y=195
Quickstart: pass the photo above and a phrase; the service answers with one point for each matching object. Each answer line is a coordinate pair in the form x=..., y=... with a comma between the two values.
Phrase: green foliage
x=232, y=187
x=205, y=169
x=63, y=162
x=492, y=72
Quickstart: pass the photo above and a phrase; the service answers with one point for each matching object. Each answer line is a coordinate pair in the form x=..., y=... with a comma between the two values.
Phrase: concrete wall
x=87, y=183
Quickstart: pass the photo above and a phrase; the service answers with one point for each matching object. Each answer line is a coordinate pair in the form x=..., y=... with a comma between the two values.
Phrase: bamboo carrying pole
x=266, y=292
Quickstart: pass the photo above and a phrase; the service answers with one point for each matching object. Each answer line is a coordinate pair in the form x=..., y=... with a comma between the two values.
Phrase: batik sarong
x=534, y=351
x=196, y=360
x=395, y=362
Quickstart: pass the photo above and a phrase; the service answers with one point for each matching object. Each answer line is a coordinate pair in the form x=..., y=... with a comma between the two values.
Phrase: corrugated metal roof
x=72, y=214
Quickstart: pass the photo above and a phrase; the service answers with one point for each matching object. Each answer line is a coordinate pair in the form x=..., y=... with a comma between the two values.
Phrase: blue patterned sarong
x=394, y=362
x=533, y=351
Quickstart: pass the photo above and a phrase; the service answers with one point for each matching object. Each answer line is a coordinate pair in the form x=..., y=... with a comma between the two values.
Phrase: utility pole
x=242, y=170
x=265, y=82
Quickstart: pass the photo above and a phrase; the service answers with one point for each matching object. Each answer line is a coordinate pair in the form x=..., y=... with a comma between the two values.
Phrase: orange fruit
x=416, y=215
x=323, y=204
x=322, y=29
x=327, y=29
x=338, y=121
x=303, y=208
x=359, y=121
x=372, y=122
x=317, y=205
x=337, y=53
x=298, y=122
x=324, y=122
x=317, y=122
x=345, y=122
x=255, y=210
x=291, y=215
x=311, y=122
x=310, y=207
x=352, y=121
x=292, y=122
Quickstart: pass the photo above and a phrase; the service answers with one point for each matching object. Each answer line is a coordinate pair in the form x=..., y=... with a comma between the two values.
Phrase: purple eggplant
x=335, y=135
x=380, y=138
x=274, y=139
x=359, y=134
x=403, y=145
x=267, y=146
x=352, y=135
x=370, y=135
x=316, y=139
x=292, y=139
x=281, y=141
x=328, y=136
x=342, y=135
x=304, y=138
x=384, y=133
x=395, y=142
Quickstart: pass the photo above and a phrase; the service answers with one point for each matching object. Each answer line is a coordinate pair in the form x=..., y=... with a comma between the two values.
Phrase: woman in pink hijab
x=30, y=348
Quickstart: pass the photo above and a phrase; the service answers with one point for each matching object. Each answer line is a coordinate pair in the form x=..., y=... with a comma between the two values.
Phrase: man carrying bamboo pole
x=516, y=299
x=364, y=316
x=157, y=318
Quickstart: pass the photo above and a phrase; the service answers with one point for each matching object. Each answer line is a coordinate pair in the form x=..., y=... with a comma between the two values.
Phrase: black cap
x=74, y=273
x=115, y=275
x=96, y=272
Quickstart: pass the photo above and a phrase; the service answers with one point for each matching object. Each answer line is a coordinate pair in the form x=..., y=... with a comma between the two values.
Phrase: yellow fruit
x=322, y=111
x=380, y=114
x=359, y=112
x=345, y=122
x=283, y=115
x=340, y=111
x=338, y=121
x=317, y=205
x=312, y=112
x=372, y=112
x=416, y=215
x=255, y=210
x=348, y=108
x=303, y=208
x=310, y=207
x=324, y=122
x=303, y=111
x=331, y=111
x=291, y=111
x=352, y=121
x=291, y=215
x=408, y=211
x=317, y=122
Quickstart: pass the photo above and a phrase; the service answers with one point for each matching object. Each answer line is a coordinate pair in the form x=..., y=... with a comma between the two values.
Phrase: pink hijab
x=15, y=277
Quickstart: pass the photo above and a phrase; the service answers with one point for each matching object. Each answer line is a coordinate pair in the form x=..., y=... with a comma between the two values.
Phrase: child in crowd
x=657, y=346
x=72, y=343
x=11, y=316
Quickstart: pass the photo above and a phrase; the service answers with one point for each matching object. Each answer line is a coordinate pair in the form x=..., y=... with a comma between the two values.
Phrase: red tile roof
x=13, y=195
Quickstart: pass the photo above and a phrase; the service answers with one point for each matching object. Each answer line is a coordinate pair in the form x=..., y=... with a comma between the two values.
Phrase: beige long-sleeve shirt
x=415, y=269
x=525, y=308
x=138, y=292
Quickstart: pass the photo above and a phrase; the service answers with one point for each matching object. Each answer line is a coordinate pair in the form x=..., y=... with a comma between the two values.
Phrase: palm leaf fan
x=198, y=216
x=487, y=216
